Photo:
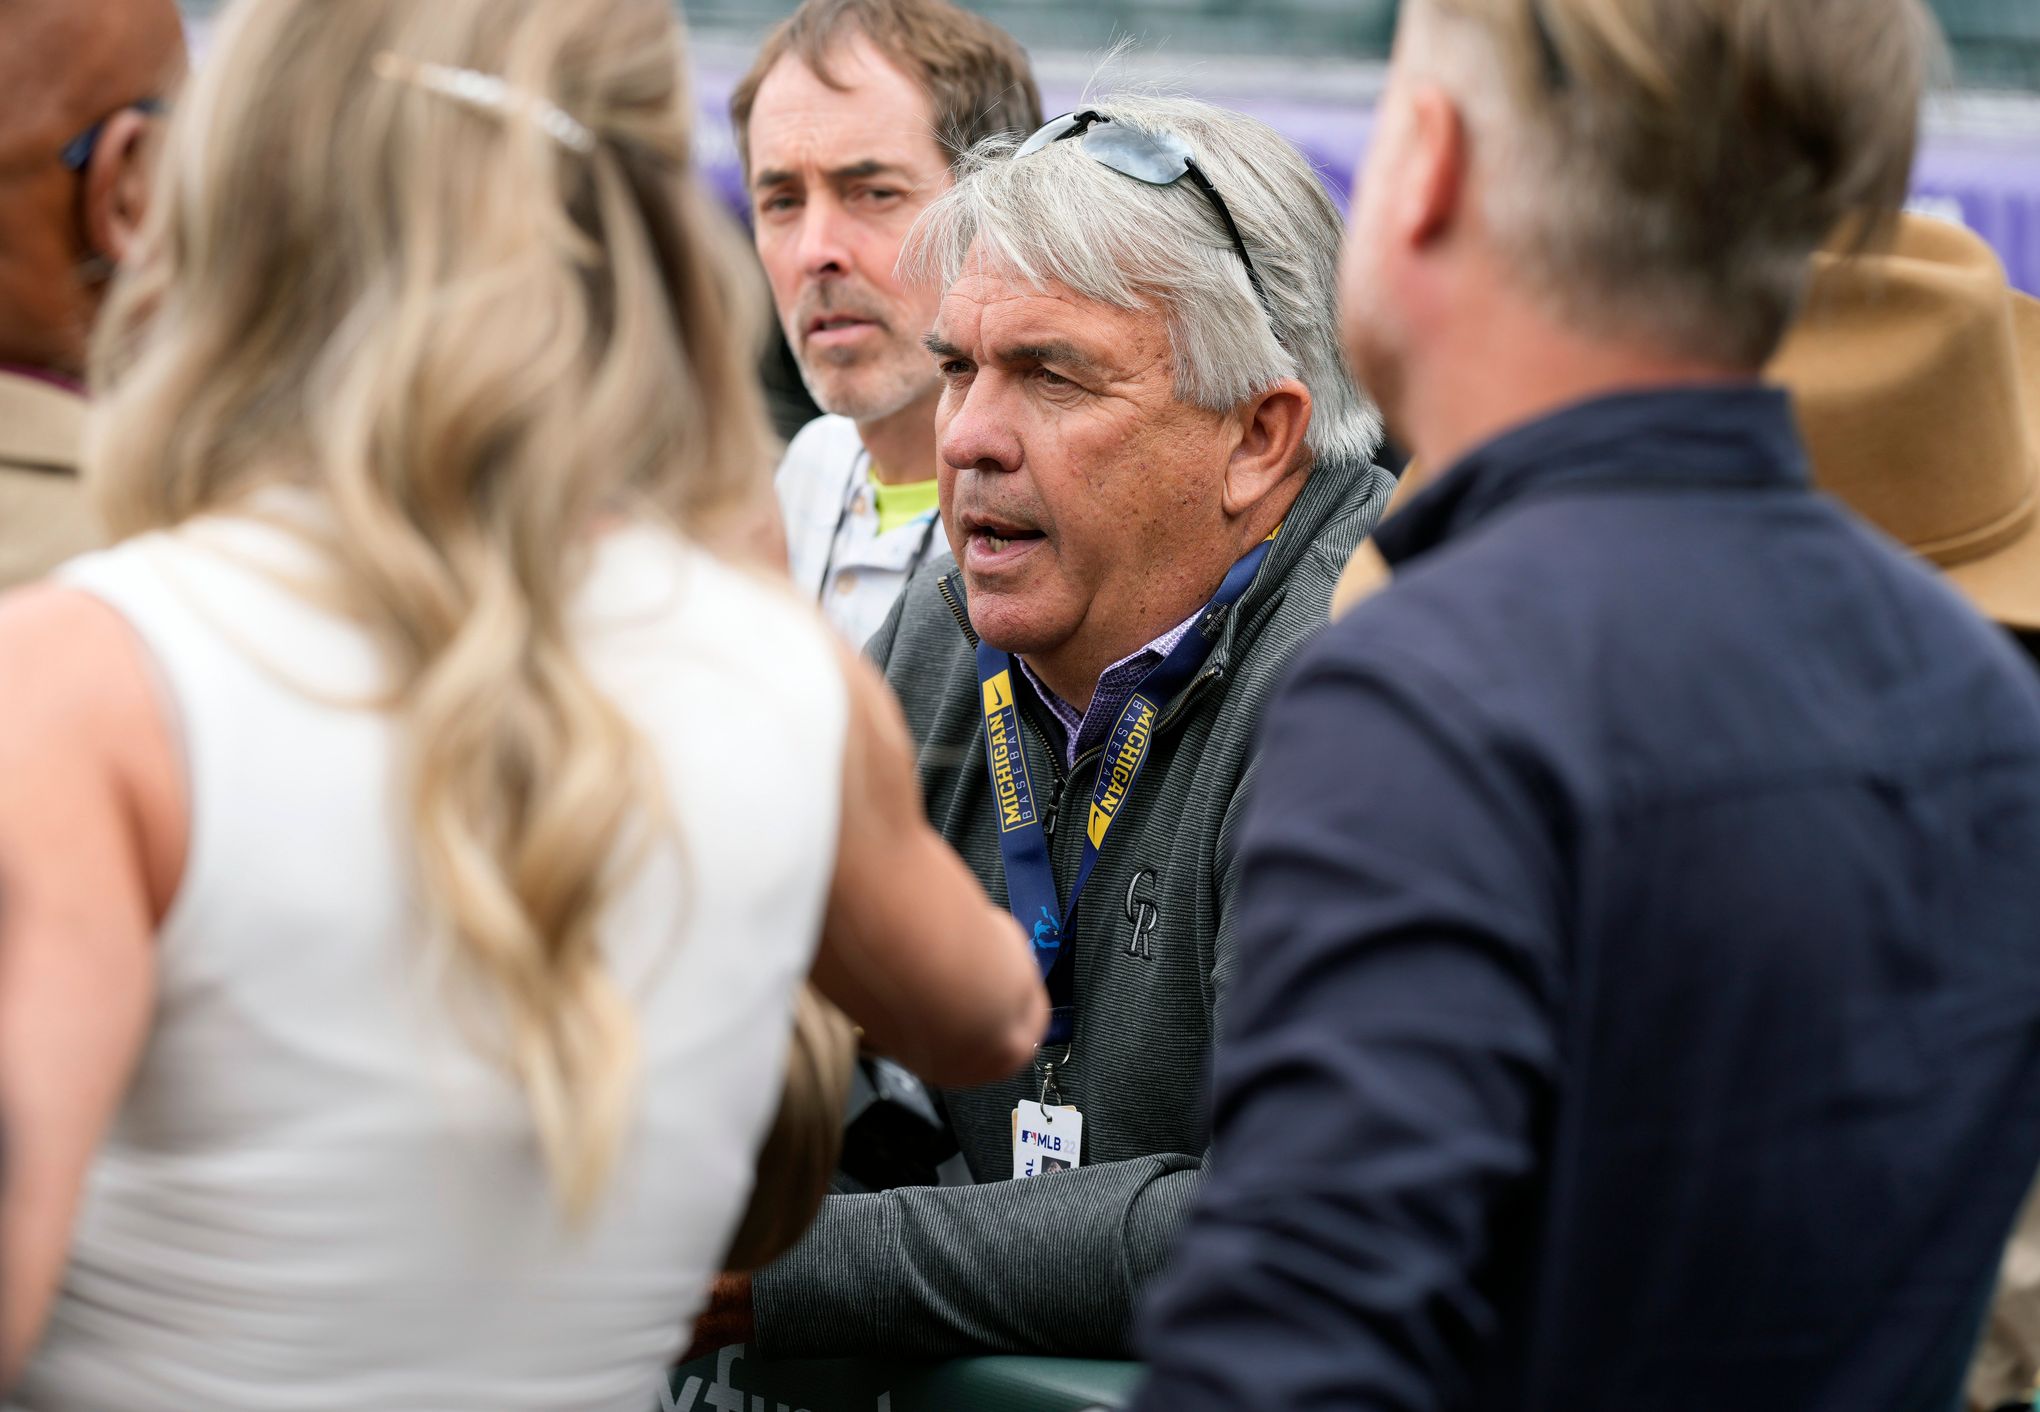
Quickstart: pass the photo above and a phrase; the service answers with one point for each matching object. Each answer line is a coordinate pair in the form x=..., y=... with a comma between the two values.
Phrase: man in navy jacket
x=1641, y=893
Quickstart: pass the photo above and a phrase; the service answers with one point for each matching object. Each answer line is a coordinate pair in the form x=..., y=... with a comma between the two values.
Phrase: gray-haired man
x=1153, y=463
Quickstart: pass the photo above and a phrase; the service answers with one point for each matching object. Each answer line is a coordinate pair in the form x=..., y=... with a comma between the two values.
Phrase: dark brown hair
x=975, y=74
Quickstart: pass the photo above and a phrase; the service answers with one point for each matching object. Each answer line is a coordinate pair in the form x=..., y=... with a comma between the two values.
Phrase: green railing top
x=990, y=1384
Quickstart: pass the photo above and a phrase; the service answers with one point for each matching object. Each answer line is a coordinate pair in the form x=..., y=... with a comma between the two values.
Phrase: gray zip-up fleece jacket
x=1055, y=1263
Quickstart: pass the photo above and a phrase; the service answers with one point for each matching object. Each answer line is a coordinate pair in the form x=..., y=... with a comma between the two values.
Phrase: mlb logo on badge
x=1046, y=1139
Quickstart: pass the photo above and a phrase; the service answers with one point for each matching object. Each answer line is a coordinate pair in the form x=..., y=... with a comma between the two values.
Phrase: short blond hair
x=1665, y=168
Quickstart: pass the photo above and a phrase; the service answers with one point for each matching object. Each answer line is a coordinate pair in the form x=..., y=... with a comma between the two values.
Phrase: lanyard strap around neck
x=859, y=471
x=1023, y=839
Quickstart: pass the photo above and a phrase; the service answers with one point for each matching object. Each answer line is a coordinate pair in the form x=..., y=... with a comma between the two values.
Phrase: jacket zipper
x=1211, y=673
x=1182, y=703
x=1058, y=779
x=956, y=610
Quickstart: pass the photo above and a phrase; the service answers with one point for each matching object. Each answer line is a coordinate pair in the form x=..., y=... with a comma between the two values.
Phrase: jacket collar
x=1739, y=435
x=41, y=425
x=1329, y=492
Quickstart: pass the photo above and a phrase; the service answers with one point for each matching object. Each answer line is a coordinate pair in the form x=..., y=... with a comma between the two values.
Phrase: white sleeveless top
x=315, y=1195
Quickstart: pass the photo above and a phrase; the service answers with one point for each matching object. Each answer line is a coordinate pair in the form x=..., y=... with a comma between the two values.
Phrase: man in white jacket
x=849, y=123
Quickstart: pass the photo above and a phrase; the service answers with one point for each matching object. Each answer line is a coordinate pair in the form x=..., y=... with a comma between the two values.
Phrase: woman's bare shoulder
x=82, y=719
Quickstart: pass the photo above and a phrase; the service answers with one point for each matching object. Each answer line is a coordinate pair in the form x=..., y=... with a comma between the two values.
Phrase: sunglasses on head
x=1157, y=158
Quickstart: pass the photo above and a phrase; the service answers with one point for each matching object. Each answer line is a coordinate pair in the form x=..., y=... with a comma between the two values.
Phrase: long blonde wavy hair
x=475, y=343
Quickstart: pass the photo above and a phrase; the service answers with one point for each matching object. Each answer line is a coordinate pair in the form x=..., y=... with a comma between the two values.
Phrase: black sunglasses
x=1157, y=158
x=77, y=153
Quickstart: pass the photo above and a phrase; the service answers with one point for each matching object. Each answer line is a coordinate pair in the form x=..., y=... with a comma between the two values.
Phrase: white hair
x=1061, y=217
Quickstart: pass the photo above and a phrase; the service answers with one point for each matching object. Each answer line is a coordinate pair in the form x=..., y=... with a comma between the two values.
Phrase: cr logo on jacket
x=1143, y=913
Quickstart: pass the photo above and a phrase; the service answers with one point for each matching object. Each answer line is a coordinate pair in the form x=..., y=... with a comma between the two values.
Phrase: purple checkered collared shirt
x=1116, y=684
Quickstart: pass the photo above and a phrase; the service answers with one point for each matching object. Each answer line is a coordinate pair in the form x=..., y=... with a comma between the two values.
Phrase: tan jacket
x=43, y=516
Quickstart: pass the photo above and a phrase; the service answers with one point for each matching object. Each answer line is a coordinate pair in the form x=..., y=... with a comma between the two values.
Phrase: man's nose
x=824, y=243
x=978, y=433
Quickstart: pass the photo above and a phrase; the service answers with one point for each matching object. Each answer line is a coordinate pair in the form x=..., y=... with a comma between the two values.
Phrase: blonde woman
x=411, y=844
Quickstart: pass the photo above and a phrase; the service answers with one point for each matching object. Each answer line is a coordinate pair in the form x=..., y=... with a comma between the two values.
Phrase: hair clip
x=488, y=92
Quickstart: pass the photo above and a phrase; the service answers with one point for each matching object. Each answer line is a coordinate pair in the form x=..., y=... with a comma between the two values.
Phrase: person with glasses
x=849, y=124
x=81, y=84
x=1640, y=885
x=1153, y=462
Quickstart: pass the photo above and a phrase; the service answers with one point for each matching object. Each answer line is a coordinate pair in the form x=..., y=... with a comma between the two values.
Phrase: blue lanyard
x=1023, y=840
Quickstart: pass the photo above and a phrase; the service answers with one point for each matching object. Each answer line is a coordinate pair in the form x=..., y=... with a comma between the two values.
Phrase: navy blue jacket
x=1639, y=999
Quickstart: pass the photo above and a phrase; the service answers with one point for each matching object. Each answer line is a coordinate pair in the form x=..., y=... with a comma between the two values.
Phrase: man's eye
x=774, y=205
x=1052, y=379
x=953, y=368
x=880, y=195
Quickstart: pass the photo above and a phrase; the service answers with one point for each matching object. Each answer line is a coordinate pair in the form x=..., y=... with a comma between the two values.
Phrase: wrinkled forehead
x=996, y=310
x=863, y=109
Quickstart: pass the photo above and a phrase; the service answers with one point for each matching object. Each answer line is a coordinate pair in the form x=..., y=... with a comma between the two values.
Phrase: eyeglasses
x=1157, y=158
x=77, y=153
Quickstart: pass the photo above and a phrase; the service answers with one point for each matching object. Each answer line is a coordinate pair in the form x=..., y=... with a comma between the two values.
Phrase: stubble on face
x=883, y=374
x=839, y=176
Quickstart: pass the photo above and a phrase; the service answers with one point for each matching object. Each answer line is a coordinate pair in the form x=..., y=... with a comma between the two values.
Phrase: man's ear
x=1272, y=429
x=1431, y=200
x=117, y=185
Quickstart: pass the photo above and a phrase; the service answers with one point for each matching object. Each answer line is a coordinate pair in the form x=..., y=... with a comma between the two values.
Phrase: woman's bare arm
x=912, y=949
x=92, y=837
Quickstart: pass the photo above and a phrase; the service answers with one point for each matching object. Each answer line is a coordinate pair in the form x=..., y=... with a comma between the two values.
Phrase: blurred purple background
x=1985, y=174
